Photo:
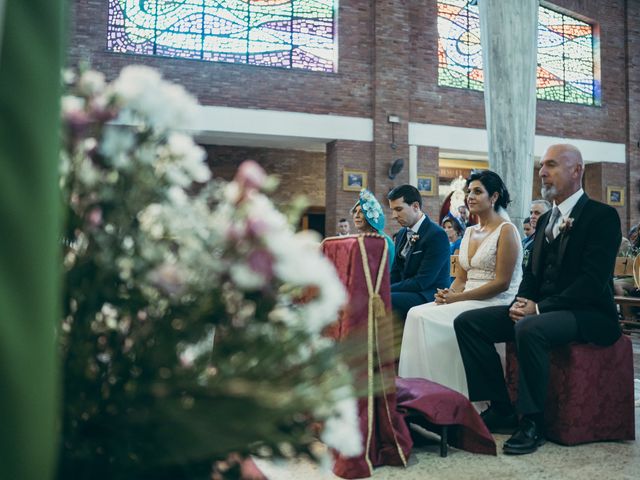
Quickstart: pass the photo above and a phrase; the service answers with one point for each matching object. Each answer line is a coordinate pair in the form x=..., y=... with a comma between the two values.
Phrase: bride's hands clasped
x=446, y=295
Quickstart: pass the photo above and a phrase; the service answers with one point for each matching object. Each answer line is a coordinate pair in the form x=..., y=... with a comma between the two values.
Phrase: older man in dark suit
x=566, y=295
x=421, y=264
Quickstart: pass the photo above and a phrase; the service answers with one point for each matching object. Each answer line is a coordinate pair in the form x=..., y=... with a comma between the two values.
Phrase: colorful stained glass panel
x=566, y=68
x=279, y=33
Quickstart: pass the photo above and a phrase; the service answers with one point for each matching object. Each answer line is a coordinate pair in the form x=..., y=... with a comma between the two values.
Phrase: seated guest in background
x=343, y=227
x=566, y=295
x=527, y=241
x=490, y=273
x=454, y=233
x=538, y=207
x=368, y=217
x=463, y=216
x=422, y=252
x=625, y=284
x=528, y=229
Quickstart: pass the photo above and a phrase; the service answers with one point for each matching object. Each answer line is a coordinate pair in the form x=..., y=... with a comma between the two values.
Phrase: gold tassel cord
x=376, y=311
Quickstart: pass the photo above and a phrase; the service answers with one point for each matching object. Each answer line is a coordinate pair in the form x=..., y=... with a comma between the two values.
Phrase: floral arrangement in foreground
x=193, y=314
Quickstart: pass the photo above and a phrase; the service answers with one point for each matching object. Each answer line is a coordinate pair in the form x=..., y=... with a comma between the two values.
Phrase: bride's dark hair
x=492, y=183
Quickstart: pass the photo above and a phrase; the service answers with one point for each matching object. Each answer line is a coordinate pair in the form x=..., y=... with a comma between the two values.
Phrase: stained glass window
x=566, y=69
x=278, y=33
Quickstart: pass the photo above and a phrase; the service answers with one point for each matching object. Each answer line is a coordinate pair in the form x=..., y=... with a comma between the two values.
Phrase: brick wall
x=598, y=177
x=380, y=62
x=341, y=155
x=388, y=65
x=300, y=173
x=428, y=165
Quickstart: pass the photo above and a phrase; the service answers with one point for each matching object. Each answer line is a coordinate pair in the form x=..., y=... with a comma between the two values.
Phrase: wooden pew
x=628, y=267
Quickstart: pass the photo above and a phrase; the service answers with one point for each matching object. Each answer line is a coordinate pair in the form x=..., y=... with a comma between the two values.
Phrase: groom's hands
x=521, y=308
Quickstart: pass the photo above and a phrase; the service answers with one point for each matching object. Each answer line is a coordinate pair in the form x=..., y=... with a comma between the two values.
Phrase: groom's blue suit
x=414, y=279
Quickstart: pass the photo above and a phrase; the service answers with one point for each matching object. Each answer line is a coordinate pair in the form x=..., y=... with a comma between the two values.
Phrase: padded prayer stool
x=445, y=412
x=590, y=395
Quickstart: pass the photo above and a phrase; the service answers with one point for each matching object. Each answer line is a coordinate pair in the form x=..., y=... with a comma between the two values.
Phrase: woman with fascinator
x=490, y=255
x=368, y=217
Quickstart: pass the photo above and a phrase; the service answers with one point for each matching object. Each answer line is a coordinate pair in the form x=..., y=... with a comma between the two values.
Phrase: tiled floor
x=602, y=461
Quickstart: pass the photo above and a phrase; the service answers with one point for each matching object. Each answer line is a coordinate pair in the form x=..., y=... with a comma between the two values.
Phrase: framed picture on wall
x=353, y=180
x=427, y=185
x=615, y=196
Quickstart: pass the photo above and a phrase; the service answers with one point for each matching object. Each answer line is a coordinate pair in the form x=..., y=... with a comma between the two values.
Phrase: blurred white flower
x=91, y=82
x=71, y=104
x=177, y=196
x=245, y=278
x=125, y=267
x=342, y=428
x=68, y=76
x=190, y=353
x=110, y=316
x=149, y=215
x=116, y=142
x=88, y=174
x=161, y=104
x=169, y=279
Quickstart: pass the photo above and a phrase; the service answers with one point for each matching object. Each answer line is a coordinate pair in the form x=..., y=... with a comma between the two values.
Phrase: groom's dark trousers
x=570, y=280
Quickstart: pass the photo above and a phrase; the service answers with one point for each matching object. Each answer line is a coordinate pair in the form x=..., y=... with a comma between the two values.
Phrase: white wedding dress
x=429, y=346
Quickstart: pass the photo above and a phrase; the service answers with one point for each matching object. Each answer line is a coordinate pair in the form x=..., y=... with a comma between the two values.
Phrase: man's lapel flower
x=566, y=225
x=413, y=238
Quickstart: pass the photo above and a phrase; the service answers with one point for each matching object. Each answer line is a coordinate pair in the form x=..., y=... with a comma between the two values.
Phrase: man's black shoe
x=497, y=423
x=527, y=438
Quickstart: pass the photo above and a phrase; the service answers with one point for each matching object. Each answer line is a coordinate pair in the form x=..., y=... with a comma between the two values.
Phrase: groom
x=566, y=295
x=421, y=264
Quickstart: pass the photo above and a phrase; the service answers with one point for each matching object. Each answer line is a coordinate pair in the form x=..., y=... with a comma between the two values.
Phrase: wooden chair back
x=454, y=267
x=628, y=267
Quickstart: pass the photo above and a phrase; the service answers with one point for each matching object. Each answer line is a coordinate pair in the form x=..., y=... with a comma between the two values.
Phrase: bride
x=490, y=257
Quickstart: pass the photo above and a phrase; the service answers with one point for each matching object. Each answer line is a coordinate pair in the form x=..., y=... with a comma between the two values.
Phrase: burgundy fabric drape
x=387, y=402
x=366, y=321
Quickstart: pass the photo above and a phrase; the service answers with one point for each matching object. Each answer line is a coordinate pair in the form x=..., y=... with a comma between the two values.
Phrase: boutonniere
x=566, y=225
x=414, y=238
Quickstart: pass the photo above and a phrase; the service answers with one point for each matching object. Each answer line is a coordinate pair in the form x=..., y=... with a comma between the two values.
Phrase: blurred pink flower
x=257, y=226
x=78, y=122
x=94, y=217
x=168, y=279
x=250, y=175
x=261, y=261
x=235, y=233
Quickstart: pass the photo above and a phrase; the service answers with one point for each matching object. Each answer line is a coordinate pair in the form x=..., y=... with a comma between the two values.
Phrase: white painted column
x=413, y=165
x=509, y=31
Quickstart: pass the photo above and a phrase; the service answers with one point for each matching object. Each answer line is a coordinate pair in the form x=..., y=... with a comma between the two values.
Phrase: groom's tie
x=407, y=243
x=548, y=231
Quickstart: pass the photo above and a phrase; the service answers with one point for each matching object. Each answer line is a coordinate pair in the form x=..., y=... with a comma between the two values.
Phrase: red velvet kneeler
x=590, y=395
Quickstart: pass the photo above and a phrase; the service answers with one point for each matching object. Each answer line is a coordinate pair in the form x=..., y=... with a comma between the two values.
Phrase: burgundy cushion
x=590, y=395
x=422, y=399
